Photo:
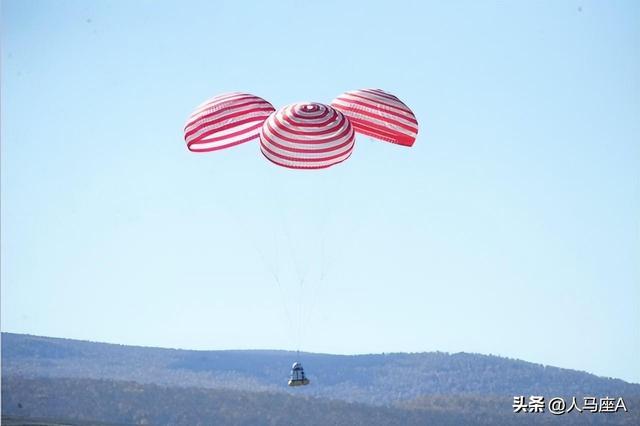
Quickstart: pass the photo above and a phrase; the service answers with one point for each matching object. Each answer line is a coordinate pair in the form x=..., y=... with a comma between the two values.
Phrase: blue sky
x=510, y=228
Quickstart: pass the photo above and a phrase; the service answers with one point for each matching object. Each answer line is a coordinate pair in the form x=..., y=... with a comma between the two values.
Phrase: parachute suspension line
x=333, y=199
x=249, y=240
x=281, y=293
x=291, y=326
x=314, y=290
x=297, y=302
x=273, y=272
x=299, y=319
x=301, y=276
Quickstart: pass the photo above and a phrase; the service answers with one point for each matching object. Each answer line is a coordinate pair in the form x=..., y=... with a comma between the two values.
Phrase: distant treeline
x=372, y=379
x=87, y=401
x=94, y=383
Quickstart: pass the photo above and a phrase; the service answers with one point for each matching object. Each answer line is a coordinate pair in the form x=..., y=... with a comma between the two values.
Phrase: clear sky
x=511, y=227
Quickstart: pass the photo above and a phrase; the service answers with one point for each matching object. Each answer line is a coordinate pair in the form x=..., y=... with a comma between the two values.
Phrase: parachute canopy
x=381, y=115
x=307, y=135
x=225, y=121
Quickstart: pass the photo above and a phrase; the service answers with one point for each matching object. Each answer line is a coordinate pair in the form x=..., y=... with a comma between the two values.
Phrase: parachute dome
x=307, y=135
x=378, y=114
x=226, y=120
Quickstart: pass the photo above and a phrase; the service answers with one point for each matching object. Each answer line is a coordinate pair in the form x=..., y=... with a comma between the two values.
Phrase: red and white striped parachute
x=307, y=135
x=226, y=120
x=381, y=115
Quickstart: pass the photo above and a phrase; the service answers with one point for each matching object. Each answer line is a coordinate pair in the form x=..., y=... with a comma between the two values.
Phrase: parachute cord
x=301, y=276
x=281, y=292
x=271, y=269
x=314, y=290
x=332, y=200
x=297, y=327
x=276, y=278
x=301, y=304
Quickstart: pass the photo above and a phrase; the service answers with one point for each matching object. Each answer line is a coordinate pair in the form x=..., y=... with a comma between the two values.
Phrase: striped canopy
x=381, y=115
x=225, y=121
x=307, y=135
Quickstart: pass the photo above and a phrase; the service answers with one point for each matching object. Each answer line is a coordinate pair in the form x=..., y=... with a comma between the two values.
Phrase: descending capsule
x=297, y=377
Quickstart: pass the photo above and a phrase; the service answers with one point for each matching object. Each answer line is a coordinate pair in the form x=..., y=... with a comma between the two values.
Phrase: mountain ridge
x=267, y=351
x=346, y=377
x=58, y=378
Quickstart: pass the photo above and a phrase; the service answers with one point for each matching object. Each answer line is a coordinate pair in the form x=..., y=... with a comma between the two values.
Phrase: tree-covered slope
x=375, y=379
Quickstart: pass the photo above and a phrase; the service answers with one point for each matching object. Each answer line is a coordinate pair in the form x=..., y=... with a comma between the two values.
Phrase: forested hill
x=371, y=379
x=84, y=402
x=50, y=381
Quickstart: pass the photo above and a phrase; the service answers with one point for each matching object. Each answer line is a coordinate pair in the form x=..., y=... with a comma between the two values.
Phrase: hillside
x=82, y=402
x=371, y=379
x=55, y=378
